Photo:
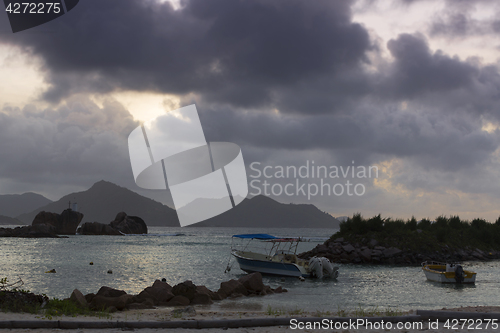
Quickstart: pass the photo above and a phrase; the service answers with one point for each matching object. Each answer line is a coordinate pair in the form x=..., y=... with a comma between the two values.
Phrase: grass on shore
x=56, y=307
x=14, y=299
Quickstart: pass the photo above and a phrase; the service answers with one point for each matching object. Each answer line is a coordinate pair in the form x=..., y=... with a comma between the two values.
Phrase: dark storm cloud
x=238, y=52
x=241, y=60
x=295, y=56
x=370, y=134
x=417, y=70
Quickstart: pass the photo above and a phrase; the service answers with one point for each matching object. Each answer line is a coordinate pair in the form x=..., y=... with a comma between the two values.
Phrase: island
x=386, y=241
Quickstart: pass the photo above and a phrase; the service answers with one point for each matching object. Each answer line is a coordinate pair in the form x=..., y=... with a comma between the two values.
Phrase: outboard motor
x=459, y=274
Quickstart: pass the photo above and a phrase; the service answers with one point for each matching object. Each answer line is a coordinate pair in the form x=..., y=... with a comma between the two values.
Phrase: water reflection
x=202, y=256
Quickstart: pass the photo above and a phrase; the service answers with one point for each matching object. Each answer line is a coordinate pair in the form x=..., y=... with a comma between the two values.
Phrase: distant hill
x=6, y=220
x=104, y=200
x=264, y=212
x=12, y=205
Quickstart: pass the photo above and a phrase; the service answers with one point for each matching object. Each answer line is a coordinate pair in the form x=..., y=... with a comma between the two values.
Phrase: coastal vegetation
x=15, y=299
x=378, y=240
x=423, y=235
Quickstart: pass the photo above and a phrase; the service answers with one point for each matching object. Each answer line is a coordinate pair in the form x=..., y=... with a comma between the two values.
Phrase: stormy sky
x=411, y=87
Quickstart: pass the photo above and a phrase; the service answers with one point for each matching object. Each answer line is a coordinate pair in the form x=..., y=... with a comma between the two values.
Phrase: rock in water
x=96, y=228
x=129, y=224
x=63, y=224
x=123, y=224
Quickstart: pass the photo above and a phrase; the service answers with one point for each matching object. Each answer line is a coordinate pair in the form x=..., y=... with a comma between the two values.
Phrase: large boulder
x=252, y=282
x=96, y=228
x=201, y=299
x=103, y=303
x=231, y=287
x=178, y=300
x=78, y=298
x=186, y=289
x=110, y=292
x=123, y=224
x=129, y=224
x=63, y=224
x=160, y=285
x=205, y=291
x=156, y=295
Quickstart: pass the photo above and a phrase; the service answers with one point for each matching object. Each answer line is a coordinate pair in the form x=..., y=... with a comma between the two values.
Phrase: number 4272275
x=33, y=8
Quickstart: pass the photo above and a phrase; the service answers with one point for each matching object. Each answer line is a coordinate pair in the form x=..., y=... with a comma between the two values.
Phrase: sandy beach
x=167, y=314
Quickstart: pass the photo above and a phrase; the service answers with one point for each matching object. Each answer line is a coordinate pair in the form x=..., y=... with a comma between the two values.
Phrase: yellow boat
x=447, y=273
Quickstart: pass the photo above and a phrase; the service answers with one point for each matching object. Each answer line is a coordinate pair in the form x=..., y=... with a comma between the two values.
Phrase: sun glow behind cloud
x=146, y=105
x=22, y=81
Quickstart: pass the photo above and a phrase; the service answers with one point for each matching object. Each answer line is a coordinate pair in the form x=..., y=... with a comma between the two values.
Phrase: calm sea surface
x=202, y=254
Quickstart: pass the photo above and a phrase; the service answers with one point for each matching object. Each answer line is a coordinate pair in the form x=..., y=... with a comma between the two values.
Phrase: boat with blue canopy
x=273, y=255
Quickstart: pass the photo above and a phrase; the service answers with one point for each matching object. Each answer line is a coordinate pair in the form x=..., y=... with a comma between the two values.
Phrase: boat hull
x=250, y=265
x=447, y=277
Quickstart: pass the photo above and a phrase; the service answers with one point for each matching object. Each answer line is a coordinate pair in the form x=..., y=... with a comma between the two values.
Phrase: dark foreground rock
x=62, y=224
x=122, y=224
x=369, y=251
x=182, y=294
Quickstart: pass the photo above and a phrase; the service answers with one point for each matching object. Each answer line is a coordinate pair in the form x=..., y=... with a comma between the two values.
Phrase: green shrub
x=412, y=224
x=441, y=235
x=400, y=233
x=441, y=222
x=455, y=223
x=376, y=223
x=424, y=224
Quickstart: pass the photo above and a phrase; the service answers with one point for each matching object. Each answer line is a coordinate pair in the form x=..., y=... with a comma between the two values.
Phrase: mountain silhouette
x=6, y=220
x=264, y=212
x=12, y=205
x=104, y=200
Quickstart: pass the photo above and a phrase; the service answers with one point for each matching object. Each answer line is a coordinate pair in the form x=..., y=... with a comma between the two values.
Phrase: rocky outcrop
x=368, y=251
x=35, y=231
x=129, y=224
x=122, y=224
x=96, y=228
x=182, y=294
x=63, y=224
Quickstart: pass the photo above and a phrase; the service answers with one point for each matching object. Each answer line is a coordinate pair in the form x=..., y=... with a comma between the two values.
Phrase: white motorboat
x=447, y=273
x=278, y=256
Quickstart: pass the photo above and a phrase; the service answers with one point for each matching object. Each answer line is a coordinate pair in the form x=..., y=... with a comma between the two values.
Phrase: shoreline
x=204, y=312
x=219, y=321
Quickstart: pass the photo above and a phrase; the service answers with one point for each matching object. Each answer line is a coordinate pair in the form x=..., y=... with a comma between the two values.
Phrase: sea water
x=202, y=255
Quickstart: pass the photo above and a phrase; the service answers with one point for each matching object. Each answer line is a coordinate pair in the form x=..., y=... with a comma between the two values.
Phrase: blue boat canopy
x=256, y=236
